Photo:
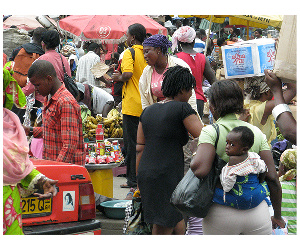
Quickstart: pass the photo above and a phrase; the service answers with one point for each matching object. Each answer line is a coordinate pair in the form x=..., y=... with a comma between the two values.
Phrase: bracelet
x=280, y=108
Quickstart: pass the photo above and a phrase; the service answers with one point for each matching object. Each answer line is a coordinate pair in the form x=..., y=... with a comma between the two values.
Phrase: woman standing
x=156, y=55
x=225, y=100
x=162, y=132
x=199, y=64
x=131, y=99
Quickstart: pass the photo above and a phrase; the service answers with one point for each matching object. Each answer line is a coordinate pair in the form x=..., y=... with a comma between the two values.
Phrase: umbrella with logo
x=106, y=28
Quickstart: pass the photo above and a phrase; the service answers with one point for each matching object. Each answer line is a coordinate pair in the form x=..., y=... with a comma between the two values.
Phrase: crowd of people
x=162, y=99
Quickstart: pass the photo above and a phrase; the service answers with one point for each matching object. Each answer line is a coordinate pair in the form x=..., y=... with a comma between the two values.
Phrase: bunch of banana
x=89, y=126
x=113, y=124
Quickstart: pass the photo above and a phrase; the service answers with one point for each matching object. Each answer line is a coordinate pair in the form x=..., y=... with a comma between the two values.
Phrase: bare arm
x=274, y=186
x=208, y=72
x=286, y=122
x=140, y=145
x=202, y=161
x=193, y=125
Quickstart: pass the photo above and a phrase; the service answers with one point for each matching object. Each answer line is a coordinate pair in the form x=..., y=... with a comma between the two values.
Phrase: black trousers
x=130, y=126
x=200, y=107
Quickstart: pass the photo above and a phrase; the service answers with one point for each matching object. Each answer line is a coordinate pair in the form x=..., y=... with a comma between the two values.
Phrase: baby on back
x=241, y=162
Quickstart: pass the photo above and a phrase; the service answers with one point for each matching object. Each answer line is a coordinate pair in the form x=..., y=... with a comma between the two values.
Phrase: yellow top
x=131, y=98
x=257, y=109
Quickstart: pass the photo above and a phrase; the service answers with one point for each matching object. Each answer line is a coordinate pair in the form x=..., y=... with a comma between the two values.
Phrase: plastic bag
x=193, y=196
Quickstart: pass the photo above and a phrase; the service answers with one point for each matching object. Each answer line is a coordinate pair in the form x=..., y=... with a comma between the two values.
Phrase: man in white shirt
x=86, y=62
x=96, y=99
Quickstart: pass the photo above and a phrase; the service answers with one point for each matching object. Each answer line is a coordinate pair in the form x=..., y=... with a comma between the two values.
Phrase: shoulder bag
x=193, y=196
x=69, y=82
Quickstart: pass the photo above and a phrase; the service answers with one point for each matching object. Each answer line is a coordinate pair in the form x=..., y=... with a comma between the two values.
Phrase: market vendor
x=96, y=99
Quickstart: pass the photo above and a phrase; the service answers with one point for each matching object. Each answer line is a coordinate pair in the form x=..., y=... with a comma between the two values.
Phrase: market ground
x=112, y=226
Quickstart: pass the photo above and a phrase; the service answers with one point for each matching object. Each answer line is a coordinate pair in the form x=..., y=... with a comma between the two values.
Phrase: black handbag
x=69, y=82
x=193, y=196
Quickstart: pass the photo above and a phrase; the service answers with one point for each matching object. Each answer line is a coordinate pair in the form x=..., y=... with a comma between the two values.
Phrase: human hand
x=49, y=189
x=272, y=81
x=245, y=115
x=277, y=222
x=116, y=76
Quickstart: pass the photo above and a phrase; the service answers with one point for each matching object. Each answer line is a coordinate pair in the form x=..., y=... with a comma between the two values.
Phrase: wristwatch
x=279, y=109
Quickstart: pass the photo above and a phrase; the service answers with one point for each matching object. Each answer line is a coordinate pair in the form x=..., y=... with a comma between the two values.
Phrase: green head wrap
x=289, y=159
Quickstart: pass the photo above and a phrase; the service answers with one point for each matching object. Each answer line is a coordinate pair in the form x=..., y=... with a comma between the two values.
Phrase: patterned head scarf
x=255, y=86
x=158, y=41
x=184, y=34
x=67, y=50
x=289, y=160
x=12, y=92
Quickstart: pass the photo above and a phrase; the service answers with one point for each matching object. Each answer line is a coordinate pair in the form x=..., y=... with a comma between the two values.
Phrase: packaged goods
x=92, y=158
x=286, y=56
x=249, y=58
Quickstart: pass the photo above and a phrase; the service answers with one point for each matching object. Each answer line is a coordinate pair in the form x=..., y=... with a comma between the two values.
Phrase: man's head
x=97, y=48
x=201, y=34
x=258, y=33
x=239, y=140
x=43, y=76
x=37, y=35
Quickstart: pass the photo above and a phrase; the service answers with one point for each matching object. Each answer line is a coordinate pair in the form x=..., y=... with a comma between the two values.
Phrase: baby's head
x=239, y=140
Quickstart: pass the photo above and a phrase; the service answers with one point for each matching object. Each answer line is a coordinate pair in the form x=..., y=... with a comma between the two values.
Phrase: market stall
x=103, y=145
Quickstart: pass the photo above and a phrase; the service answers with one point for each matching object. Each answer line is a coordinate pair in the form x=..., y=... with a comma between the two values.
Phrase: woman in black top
x=162, y=132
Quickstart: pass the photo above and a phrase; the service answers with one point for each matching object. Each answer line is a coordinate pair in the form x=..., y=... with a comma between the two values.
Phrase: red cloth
x=197, y=66
x=62, y=129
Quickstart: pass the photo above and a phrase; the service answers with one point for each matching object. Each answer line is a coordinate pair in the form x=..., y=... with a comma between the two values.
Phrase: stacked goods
x=248, y=58
x=112, y=125
x=108, y=152
x=286, y=56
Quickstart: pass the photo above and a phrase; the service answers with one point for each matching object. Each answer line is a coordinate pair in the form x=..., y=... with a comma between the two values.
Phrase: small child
x=242, y=163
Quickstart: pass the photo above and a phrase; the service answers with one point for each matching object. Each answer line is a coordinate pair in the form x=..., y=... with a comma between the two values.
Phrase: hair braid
x=177, y=78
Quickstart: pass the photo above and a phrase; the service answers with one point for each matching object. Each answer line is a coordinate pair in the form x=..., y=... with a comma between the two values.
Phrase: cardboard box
x=249, y=58
x=286, y=56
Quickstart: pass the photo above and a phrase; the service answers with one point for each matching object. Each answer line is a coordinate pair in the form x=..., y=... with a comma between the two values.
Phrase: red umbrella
x=106, y=28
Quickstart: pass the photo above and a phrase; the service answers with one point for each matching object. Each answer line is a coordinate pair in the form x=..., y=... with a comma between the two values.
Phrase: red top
x=62, y=129
x=197, y=65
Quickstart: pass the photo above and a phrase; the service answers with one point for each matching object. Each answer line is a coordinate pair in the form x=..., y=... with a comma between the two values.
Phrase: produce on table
x=112, y=125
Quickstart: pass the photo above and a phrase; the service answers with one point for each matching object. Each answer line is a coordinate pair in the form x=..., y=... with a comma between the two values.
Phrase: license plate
x=32, y=205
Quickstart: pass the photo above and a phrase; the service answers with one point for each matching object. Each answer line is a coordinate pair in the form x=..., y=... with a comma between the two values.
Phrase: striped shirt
x=62, y=129
x=289, y=204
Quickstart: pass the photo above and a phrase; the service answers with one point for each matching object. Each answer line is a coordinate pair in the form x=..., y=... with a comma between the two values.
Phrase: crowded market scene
x=149, y=125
